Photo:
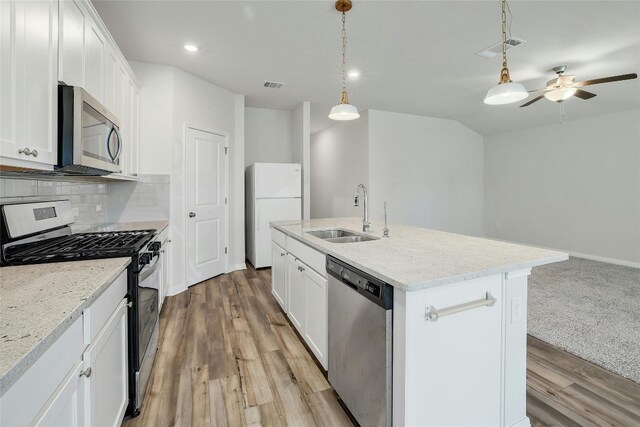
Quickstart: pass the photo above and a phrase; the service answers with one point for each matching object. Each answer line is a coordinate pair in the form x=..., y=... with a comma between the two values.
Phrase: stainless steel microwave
x=89, y=141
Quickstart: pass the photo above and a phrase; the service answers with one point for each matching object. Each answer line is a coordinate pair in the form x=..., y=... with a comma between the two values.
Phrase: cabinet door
x=278, y=274
x=72, y=24
x=134, y=144
x=106, y=394
x=66, y=406
x=29, y=75
x=112, y=75
x=125, y=123
x=95, y=54
x=316, y=320
x=295, y=292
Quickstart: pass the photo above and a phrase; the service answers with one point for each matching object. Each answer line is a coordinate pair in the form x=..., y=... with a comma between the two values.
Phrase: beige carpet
x=590, y=309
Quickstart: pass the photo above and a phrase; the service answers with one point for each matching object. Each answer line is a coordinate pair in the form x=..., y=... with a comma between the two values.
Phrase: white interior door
x=205, y=201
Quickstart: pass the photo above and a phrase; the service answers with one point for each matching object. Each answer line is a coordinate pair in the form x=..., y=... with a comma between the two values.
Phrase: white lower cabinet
x=278, y=274
x=296, y=292
x=301, y=290
x=66, y=407
x=82, y=378
x=316, y=326
x=106, y=372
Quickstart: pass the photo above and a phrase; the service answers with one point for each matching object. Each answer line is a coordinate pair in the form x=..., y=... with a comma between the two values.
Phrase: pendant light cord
x=504, y=33
x=344, y=52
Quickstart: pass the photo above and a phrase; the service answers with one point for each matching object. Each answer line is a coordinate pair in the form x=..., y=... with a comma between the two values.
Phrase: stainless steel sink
x=340, y=236
x=351, y=239
x=331, y=234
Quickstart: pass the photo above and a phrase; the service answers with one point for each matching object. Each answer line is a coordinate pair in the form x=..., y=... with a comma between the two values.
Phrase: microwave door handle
x=106, y=141
x=115, y=129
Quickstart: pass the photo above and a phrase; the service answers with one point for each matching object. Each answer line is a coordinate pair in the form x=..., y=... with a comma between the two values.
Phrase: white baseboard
x=525, y=422
x=605, y=259
x=234, y=267
x=175, y=290
x=576, y=254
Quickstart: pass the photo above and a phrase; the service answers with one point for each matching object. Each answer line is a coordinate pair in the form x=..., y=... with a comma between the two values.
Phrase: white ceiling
x=415, y=56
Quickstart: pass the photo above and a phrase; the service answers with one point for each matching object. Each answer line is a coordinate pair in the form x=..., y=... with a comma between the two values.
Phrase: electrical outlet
x=516, y=310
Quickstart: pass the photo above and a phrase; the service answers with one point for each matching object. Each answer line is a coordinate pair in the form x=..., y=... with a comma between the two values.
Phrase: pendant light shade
x=344, y=110
x=506, y=92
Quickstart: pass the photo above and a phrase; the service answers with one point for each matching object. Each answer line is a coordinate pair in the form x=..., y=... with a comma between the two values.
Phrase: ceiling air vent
x=496, y=49
x=273, y=85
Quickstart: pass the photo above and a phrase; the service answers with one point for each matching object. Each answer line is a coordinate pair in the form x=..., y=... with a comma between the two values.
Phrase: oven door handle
x=148, y=270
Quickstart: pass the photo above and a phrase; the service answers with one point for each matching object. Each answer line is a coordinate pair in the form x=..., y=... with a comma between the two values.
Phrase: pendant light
x=506, y=91
x=344, y=110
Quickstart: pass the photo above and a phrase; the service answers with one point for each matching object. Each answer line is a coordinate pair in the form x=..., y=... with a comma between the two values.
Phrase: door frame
x=225, y=135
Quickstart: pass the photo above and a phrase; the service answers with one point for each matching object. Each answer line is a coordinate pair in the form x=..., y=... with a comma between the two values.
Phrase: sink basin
x=340, y=236
x=351, y=239
x=332, y=234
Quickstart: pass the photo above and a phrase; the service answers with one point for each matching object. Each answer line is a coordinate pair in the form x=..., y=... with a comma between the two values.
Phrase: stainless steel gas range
x=40, y=232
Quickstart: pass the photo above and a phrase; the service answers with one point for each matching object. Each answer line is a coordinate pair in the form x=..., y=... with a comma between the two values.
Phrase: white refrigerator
x=273, y=193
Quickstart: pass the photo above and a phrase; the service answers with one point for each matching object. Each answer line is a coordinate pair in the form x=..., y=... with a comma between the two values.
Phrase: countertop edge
x=10, y=377
x=416, y=286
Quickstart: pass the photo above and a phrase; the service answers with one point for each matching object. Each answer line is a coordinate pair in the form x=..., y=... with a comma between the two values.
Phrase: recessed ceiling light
x=354, y=73
x=191, y=47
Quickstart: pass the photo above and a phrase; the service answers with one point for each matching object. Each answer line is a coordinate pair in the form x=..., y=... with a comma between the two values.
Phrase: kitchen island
x=459, y=317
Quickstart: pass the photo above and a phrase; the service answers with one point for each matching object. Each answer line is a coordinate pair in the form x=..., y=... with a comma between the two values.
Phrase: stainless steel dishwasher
x=361, y=342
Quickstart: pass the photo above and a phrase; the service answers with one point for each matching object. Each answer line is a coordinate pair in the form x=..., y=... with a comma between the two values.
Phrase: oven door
x=148, y=295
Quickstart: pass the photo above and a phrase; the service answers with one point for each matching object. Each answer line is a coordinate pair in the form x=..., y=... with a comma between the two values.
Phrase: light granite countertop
x=39, y=302
x=415, y=258
x=157, y=225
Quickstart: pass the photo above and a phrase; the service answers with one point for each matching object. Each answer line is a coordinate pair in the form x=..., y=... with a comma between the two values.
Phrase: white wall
x=428, y=170
x=572, y=186
x=339, y=162
x=301, y=150
x=267, y=136
x=194, y=102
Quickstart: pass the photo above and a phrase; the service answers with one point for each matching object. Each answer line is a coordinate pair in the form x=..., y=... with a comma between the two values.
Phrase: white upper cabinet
x=72, y=24
x=28, y=79
x=95, y=60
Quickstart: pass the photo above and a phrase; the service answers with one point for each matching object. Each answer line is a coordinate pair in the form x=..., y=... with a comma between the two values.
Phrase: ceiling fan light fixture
x=560, y=94
x=344, y=111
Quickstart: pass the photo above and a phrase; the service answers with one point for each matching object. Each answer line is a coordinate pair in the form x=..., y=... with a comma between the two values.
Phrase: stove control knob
x=145, y=258
x=155, y=246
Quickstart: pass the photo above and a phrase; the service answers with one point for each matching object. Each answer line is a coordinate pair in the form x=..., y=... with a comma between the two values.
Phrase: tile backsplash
x=96, y=204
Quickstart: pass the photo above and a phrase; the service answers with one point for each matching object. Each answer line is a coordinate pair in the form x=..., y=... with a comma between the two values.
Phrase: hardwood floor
x=229, y=357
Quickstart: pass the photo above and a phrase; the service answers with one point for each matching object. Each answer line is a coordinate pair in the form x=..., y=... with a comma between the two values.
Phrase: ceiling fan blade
x=583, y=94
x=532, y=101
x=606, y=80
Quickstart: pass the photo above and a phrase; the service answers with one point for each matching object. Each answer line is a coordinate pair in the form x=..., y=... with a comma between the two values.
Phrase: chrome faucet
x=366, y=225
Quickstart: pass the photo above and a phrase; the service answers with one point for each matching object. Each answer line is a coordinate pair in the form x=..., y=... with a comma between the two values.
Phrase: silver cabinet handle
x=25, y=151
x=300, y=268
x=433, y=314
x=86, y=373
x=192, y=214
x=282, y=254
x=135, y=174
x=34, y=152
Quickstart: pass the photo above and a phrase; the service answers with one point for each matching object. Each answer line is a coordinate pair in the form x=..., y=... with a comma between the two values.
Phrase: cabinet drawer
x=102, y=308
x=279, y=237
x=24, y=400
x=313, y=258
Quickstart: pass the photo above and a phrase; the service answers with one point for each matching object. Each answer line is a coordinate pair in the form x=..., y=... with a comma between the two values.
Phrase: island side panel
x=515, y=348
x=449, y=371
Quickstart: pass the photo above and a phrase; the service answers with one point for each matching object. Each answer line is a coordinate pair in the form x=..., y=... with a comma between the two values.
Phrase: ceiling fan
x=564, y=87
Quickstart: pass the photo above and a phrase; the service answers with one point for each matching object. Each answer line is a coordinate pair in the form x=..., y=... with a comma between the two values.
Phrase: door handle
x=192, y=214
